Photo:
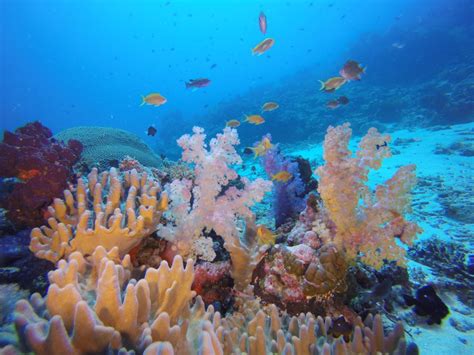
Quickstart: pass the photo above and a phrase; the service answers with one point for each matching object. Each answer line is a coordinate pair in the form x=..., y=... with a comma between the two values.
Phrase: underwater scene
x=237, y=177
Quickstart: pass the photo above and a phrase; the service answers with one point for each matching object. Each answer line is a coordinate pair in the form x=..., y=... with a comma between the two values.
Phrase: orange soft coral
x=368, y=223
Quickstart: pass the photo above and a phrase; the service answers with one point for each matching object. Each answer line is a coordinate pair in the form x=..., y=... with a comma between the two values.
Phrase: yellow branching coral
x=368, y=229
x=102, y=210
x=93, y=306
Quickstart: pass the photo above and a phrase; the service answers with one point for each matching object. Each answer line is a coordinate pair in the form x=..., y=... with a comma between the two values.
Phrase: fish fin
x=143, y=101
x=194, y=89
x=322, y=85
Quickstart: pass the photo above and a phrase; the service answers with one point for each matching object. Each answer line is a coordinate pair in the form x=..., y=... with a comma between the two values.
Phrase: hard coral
x=367, y=229
x=211, y=201
x=42, y=166
x=82, y=221
x=105, y=147
x=93, y=306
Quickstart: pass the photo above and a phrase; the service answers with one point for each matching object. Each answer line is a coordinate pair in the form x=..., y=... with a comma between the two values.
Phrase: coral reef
x=85, y=311
x=369, y=230
x=42, y=167
x=105, y=147
x=211, y=201
x=288, y=197
x=82, y=221
x=449, y=262
x=301, y=279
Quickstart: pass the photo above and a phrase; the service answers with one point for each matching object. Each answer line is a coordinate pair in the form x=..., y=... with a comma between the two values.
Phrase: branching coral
x=82, y=221
x=85, y=311
x=212, y=202
x=368, y=229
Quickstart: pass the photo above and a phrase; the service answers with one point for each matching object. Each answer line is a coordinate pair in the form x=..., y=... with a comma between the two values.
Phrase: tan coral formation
x=85, y=311
x=102, y=210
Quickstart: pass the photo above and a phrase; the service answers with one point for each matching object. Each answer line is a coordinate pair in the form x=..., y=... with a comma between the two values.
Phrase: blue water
x=70, y=63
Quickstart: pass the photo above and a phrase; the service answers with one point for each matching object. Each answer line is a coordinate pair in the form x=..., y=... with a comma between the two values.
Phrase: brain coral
x=105, y=147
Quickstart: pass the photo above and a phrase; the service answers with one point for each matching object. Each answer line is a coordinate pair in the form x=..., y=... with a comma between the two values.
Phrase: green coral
x=105, y=147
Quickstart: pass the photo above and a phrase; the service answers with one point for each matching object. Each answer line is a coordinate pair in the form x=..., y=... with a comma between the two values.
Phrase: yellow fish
x=263, y=46
x=254, y=119
x=282, y=176
x=153, y=99
x=163, y=203
x=265, y=236
x=332, y=84
x=233, y=123
x=269, y=106
x=262, y=147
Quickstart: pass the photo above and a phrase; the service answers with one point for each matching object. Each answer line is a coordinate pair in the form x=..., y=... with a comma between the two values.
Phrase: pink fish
x=197, y=83
x=262, y=21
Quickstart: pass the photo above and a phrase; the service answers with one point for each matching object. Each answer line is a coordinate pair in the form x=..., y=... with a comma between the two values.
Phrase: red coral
x=129, y=163
x=43, y=167
x=212, y=281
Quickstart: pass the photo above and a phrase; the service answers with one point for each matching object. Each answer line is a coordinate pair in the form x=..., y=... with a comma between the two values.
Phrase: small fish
x=351, y=70
x=332, y=84
x=282, y=176
x=262, y=22
x=269, y=106
x=378, y=146
x=254, y=119
x=340, y=326
x=153, y=99
x=263, y=46
x=262, y=147
x=213, y=66
x=26, y=175
x=428, y=303
x=398, y=45
x=343, y=100
x=151, y=131
x=265, y=236
x=163, y=203
x=332, y=104
x=233, y=123
x=197, y=83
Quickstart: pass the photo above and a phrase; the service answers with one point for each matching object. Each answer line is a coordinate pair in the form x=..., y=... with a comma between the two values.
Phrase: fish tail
x=187, y=85
x=143, y=101
x=322, y=85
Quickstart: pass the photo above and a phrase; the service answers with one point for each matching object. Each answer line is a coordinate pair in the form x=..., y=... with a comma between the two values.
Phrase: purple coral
x=288, y=197
x=41, y=166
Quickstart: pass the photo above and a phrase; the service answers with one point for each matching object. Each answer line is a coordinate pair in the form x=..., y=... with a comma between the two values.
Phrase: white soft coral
x=211, y=204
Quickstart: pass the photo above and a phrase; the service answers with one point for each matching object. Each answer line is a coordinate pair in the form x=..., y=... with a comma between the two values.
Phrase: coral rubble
x=41, y=165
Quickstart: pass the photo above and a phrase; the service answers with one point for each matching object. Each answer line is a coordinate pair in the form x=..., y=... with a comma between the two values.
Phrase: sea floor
x=443, y=205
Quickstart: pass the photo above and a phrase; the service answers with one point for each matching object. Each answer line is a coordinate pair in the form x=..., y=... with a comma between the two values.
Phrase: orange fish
x=269, y=106
x=263, y=46
x=332, y=84
x=233, y=123
x=28, y=174
x=254, y=119
x=262, y=147
x=282, y=176
x=153, y=99
x=265, y=236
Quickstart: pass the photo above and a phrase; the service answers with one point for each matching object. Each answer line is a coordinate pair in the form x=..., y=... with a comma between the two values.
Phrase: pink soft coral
x=369, y=228
x=211, y=203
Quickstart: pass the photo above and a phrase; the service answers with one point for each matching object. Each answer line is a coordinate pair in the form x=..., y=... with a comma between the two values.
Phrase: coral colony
x=208, y=283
